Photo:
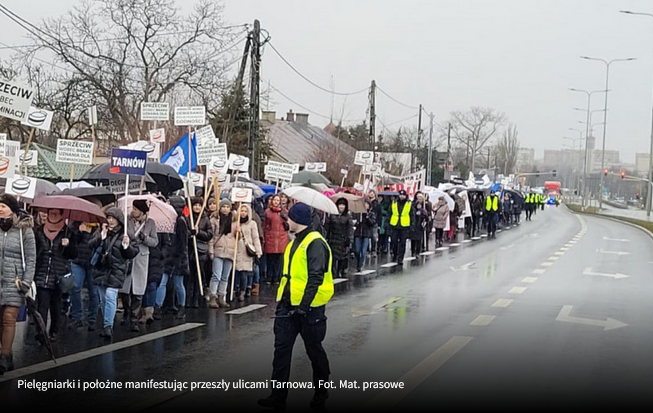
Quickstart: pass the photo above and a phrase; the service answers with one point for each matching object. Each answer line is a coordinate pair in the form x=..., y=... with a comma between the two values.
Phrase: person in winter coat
x=55, y=247
x=417, y=226
x=202, y=232
x=383, y=221
x=517, y=207
x=82, y=272
x=440, y=220
x=18, y=252
x=365, y=224
x=176, y=261
x=506, y=209
x=275, y=235
x=374, y=207
x=477, y=213
x=249, y=235
x=155, y=266
x=253, y=282
x=113, y=250
x=340, y=235
x=221, y=251
x=144, y=236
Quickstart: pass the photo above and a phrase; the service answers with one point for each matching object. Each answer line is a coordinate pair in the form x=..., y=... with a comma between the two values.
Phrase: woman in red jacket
x=275, y=235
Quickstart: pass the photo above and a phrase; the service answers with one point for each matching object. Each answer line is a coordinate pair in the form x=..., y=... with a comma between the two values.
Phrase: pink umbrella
x=163, y=214
x=75, y=209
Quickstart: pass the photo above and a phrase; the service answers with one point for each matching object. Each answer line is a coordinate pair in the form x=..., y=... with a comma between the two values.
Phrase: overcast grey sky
x=517, y=56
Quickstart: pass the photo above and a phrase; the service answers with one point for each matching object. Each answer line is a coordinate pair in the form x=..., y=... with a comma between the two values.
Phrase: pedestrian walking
x=202, y=232
x=221, y=252
x=340, y=234
x=400, y=219
x=82, y=272
x=440, y=221
x=365, y=224
x=417, y=228
x=249, y=248
x=275, y=235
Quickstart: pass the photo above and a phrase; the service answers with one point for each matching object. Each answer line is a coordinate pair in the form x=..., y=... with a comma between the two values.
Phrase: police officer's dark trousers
x=399, y=238
x=312, y=328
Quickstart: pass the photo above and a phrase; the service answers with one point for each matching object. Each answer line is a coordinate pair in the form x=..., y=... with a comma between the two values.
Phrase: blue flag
x=177, y=156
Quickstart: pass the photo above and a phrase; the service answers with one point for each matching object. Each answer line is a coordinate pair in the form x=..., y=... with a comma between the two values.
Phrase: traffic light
x=605, y=172
x=623, y=174
x=554, y=173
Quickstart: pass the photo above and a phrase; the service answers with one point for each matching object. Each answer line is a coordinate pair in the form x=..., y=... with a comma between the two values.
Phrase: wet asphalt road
x=557, y=310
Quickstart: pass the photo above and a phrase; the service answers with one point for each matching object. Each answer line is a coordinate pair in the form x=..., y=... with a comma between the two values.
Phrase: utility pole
x=430, y=157
x=446, y=162
x=255, y=80
x=419, y=136
x=372, y=137
x=237, y=93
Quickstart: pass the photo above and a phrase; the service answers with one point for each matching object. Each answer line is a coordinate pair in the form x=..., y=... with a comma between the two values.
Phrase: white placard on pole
x=190, y=115
x=15, y=100
x=315, y=166
x=205, y=136
x=23, y=186
x=7, y=166
x=206, y=153
x=39, y=118
x=92, y=115
x=279, y=171
x=363, y=157
x=197, y=180
x=29, y=159
x=238, y=162
x=158, y=135
x=153, y=150
x=239, y=194
x=69, y=151
x=155, y=111
x=372, y=168
x=218, y=167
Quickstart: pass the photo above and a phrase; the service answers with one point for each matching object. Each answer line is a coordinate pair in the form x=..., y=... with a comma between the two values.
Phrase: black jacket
x=167, y=244
x=365, y=224
x=111, y=270
x=417, y=223
x=340, y=234
x=181, y=247
x=204, y=235
x=155, y=264
x=82, y=240
x=53, y=259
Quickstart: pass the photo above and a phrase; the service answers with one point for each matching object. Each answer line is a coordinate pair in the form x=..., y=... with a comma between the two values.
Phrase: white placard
x=279, y=171
x=21, y=186
x=359, y=187
x=205, y=136
x=197, y=179
x=7, y=166
x=344, y=171
x=363, y=157
x=155, y=111
x=223, y=179
x=315, y=166
x=158, y=135
x=32, y=158
x=372, y=168
x=15, y=100
x=12, y=150
x=209, y=151
x=92, y=115
x=218, y=167
x=240, y=194
x=190, y=115
x=238, y=162
x=69, y=151
x=153, y=150
x=39, y=118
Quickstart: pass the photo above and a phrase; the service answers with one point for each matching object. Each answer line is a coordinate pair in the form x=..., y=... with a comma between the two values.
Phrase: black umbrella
x=42, y=332
x=102, y=194
x=101, y=174
x=167, y=179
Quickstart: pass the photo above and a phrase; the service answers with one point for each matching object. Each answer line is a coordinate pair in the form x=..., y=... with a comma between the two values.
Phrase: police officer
x=529, y=206
x=492, y=210
x=400, y=219
x=306, y=286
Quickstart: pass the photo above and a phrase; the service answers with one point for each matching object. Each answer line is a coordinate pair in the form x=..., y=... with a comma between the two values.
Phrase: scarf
x=275, y=209
x=244, y=220
x=6, y=223
x=52, y=229
x=225, y=224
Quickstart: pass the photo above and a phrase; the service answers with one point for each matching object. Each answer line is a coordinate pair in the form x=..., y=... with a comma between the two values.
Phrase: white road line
x=476, y=238
x=547, y=264
x=564, y=249
x=340, y=280
x=559, y=253
x=554, y=258
x=442, y=249
x=503, y=302
x=539, y=271
x=389, y=265
x=529, y=280
x=467, y=241
x=482, y=320
x=365, y=272
x=246, y=309
x=73, y=358
x=454, y=245
x=426, y=253
x=507, y=228
x=410, y=259
x=416, y=376
x=484, y=236
x=499, y=231
x=517, y=290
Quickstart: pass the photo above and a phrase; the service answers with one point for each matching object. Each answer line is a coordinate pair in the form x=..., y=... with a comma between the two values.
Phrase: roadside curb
x=609, y=218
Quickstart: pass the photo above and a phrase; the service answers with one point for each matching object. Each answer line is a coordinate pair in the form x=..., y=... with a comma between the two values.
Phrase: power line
x=395, y=100
x=309, y=80
x=394, y=123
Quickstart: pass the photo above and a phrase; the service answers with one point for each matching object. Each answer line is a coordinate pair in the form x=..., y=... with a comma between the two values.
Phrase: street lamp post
x=589, y=100
x=580, y=150
x=605, y=113
x=650, y=152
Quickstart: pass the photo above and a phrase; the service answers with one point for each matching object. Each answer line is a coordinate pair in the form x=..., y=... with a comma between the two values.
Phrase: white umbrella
x=311, y=198
x=435, y=194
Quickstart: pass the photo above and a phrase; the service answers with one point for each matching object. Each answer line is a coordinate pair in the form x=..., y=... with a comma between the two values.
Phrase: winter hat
x=141, y=205
x=11, y=202
x=225, y=201
x=196, y=200
x=301, y=214
x=116, y=213
x=403, y=192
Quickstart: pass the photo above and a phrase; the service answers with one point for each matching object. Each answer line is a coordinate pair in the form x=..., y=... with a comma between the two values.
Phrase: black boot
x=107, y=332
x=158, y=314
x=181, y=314
x=6, y=363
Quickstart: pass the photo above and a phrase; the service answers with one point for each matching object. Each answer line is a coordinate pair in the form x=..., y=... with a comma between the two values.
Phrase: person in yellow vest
x=492, y=208
x=400, y=218
x=528, y=200
x=305, y=289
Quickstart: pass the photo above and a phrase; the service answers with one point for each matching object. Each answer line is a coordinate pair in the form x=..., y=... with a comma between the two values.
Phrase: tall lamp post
x=580, y=150
x=607, y=64
x=650, y=152
x=589, y=100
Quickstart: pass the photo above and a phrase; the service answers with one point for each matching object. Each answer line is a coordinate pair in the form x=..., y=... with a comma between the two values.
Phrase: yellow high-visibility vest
x=298, y=275
x=405, y=215
x=492, y=203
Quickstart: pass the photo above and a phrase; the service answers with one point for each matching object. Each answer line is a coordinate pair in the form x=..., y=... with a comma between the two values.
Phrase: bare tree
x=507, y=149
x=475, y=128
x=337, y=157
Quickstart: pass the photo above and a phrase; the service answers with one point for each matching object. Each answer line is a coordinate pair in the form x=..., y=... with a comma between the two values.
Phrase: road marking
x=529, y=280
x=454, y=245
x=555, y=258
x=246, y=309
x=507, y=247
x=442, y=249
x=426, y=253
x=409, y=259
x=503, y=302
x=365, y=272
x=601, y=251
x=499, y=231
x=570, y=244
x=546, y=264
x=484, y=236
x=559, y=253
x=564, y=249
x=388, y=398
x=359, y=312
x=539, y=271
x=608, y=324
x=517, y=290
x=73, y=358
x=339, y=280
x=507, y=228
x=482, y=320
x=616, y=239
x=476, y=238
x=467, y=241
x=465, y=267
x=389, y=265
x=617, y=276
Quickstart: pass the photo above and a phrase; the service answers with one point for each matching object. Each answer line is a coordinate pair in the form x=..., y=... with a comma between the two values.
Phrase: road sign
x=128, y=161
x=190, y=115
x=15, y=100
x=70, y=151
x=155, y=111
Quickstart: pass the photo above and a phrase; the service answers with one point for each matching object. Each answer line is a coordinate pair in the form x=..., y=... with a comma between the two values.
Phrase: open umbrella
x=76, y=184
x=356, y=203
x=309, y=177
x=388, y=193
x=100, y=193
x=166, y=178
x=435, y=194
x=101, y=174
x=312, y=198
x=163, y=214
x=43, y=187
x=75, y=209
